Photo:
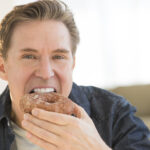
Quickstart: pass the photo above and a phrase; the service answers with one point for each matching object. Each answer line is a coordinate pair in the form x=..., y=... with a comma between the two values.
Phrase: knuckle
x=76, y=123
x=67, y=136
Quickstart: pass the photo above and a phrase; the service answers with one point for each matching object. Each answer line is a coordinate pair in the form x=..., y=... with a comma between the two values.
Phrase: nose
x=44, y=69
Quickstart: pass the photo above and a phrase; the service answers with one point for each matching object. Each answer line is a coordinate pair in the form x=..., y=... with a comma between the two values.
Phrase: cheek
x=65, y=80
x=17, y=77
x=65, y=72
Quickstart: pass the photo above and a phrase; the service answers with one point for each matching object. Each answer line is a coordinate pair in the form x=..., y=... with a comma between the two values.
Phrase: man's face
x=39, y=59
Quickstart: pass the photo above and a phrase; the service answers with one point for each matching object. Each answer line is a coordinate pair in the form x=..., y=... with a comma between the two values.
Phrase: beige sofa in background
x=139, y=96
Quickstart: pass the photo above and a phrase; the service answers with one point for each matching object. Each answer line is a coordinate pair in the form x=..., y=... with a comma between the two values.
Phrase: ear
x=2, y=69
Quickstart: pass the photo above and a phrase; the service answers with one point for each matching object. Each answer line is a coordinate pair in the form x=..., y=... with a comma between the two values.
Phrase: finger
x=40, y=142
x=56, y=118
x=53, y=128
x=41, y=133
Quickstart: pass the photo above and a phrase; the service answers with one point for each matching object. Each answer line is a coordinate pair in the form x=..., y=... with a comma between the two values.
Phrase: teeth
x=44, y=90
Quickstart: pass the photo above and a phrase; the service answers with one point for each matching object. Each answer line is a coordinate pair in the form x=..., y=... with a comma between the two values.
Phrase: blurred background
x=114, y=52
x=115, y=41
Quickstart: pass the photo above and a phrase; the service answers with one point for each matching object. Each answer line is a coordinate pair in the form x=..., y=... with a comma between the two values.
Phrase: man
x=38, y=45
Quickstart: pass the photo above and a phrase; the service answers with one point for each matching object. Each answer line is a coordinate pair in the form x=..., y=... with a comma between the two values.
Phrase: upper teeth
x=44, y=90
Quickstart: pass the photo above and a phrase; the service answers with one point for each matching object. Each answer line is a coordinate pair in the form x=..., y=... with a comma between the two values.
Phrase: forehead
x=36, y=34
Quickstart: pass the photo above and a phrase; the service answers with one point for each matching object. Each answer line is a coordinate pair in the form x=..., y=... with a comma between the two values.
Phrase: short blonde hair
x=39, y=10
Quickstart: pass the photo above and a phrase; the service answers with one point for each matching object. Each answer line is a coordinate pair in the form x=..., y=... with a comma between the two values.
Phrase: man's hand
x=55, y=131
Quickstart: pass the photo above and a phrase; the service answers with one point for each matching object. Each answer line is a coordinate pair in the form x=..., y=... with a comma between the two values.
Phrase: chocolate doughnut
x=50, y=102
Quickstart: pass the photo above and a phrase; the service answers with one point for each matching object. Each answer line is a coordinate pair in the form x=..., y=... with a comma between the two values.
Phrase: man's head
x=40, y=10
x=38, y=46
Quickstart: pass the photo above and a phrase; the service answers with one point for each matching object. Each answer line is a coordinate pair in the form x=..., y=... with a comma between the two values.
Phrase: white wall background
x=115, y=41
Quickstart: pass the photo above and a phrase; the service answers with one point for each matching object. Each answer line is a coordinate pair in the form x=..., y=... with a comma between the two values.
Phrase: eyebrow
x=61, y=51
x=35, y=50
x=28, y=50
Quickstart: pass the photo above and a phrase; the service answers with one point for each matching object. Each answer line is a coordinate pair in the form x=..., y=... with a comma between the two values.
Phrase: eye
x=58, y=57
x=29, y=56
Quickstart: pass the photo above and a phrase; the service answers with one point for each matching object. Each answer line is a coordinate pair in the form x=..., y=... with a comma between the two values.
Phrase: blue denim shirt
x=112, y=115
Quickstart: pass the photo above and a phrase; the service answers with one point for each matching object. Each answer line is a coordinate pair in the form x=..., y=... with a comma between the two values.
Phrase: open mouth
x=42, y=90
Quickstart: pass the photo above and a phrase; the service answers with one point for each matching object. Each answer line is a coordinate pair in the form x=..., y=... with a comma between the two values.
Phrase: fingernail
x=24, y=123
x=34, y=112
x=26, y=116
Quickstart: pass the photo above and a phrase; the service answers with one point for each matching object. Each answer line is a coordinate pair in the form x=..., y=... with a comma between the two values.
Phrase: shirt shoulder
x=105, y=103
